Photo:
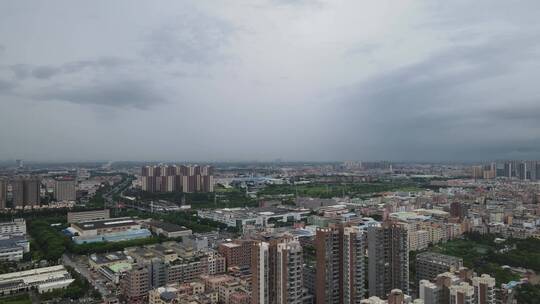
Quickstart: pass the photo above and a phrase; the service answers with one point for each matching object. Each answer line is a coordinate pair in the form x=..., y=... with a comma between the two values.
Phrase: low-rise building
x=13, y=249
x=41, y=279
x=85, y=216
x=111, y=230
x=13, y=242
x=188, y=293
x=15, y=227
x=168, y=230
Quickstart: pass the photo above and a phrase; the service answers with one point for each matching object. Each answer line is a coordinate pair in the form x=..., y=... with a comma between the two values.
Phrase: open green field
x=222, y=198
x=19, y=299
x=330, y=190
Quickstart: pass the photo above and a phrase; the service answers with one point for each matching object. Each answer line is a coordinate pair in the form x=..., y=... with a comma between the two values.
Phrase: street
x=85, y=272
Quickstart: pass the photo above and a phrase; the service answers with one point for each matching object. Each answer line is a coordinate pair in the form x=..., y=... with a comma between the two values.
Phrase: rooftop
x=169, y=227
x=106, y=223
x=438, y=257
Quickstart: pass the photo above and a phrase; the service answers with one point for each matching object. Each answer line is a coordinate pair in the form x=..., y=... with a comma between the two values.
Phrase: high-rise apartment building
x=340, y=271
x=32, y=191
x=237, y=253
x=3, y=193
x=289, y=273
x=429, y=292
x=276, y=268
x=484, y=289
x=17, y=192
x=388, y=259
x=26, y=191
x=135, y=284
x=462, y=293
x=170, y=178
x=64, y=189
x=431, y=264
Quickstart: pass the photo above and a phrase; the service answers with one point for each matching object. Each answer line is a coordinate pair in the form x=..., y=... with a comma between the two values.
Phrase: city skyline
x=315, y=80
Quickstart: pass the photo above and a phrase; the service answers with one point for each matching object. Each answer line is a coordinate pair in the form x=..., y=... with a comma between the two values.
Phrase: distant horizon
x=450, y=162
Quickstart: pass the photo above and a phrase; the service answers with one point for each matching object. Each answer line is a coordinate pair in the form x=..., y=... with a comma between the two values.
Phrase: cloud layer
x=297, y=80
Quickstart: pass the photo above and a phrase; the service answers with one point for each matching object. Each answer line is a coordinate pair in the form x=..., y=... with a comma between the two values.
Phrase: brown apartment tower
x=26, y=191
x=388, y=259
x=172, y=178
x=3, y=193
x=340, y=275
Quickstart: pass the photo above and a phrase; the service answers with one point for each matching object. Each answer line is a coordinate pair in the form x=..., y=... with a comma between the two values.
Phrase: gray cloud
x=22, y=71
x=437, y=106
x=136, y=94
x=292, y=79
x=6, y=86
x=191, y=37
x=44, y=72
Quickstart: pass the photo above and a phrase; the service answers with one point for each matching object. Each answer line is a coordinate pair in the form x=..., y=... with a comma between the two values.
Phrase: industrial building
x=167, y=229
x=41, y=279
x=84, y=216
x=111, y=230
x=13, y=248
x=13, y=242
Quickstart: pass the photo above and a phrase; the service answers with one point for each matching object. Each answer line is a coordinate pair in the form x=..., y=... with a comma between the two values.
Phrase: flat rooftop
x=169, y=227
x=107, y=223
x=438, y=257
x=104, y=258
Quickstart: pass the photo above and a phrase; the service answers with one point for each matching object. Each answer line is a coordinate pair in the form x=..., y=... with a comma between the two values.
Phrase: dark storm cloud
x=425, y=80
x=521, y=113
x=136, y=94
x=437, y=102
x=192, y=37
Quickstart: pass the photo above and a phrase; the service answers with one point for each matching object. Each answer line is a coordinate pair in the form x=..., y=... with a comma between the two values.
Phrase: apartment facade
x=65, y=190
x=172, y=178
x=26, y=191
x=431, y=264
x=276, y=271
x=3, y=193
x=388, y=259
x=340, y=273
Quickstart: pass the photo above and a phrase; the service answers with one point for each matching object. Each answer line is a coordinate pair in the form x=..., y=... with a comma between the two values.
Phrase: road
x=85, y=272
x=119, y=188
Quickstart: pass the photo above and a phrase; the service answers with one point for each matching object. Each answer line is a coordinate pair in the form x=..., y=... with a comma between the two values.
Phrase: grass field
x=19, y=299
x=337, y=189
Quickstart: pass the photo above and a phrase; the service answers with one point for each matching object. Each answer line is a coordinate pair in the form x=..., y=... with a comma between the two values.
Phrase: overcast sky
x=260, y=80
